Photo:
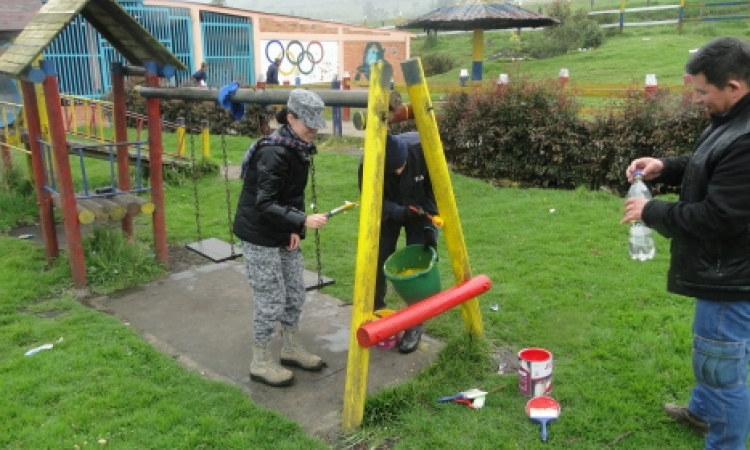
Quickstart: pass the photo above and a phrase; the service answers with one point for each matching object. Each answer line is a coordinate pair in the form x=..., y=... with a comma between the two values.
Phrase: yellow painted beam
x=371, y=205
x=424, y=116
x=477, y=45
x=206, y=142
x=180, y=133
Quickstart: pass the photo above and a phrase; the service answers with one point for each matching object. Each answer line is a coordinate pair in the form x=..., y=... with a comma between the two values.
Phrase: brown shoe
x=682, y=415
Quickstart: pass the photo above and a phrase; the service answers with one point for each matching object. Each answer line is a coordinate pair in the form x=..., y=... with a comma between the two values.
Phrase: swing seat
x=215, y=249
x=314, y=281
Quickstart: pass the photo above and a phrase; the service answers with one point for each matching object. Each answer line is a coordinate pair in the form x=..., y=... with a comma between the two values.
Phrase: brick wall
x=268, y=25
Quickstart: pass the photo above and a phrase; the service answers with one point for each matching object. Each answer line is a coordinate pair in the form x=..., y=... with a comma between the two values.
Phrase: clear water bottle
x=641, y=241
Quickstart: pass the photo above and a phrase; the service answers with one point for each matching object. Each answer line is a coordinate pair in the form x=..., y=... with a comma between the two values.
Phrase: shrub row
x=531, y=134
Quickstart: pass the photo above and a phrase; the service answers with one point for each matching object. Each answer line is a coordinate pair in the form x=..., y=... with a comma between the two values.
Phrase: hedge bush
x=530, y=134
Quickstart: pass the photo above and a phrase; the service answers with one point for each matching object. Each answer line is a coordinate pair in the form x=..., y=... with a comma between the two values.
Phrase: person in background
x=406, y=183
x=200, y=77
x=272, y=74
x=271, y=221
x=710, y=250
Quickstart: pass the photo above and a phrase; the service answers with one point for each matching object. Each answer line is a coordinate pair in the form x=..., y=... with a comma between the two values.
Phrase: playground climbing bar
x=354, y=99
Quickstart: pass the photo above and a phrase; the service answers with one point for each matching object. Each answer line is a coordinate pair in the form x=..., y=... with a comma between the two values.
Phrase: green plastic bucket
x=413, y=272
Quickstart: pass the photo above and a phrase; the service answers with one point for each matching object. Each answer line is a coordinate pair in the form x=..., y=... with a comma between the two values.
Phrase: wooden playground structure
x=150, y=58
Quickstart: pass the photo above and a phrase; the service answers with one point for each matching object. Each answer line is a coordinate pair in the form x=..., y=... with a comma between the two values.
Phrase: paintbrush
x=345, y=207
x=543, y=410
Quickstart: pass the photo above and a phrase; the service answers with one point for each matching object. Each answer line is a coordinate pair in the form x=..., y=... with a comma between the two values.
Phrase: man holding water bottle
x=710, y=251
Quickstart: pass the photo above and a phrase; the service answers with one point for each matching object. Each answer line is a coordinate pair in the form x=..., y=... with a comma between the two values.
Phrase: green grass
x=623, y=58
x=561, y=277
x=562, y=280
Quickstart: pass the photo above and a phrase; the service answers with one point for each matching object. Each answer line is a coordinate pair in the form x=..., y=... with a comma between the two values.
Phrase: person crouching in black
x=406, y=183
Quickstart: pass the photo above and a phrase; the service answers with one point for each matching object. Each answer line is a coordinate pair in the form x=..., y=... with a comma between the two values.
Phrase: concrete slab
x=203, y=318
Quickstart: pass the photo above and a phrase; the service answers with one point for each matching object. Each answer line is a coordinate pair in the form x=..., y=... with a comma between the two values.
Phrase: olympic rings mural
x=310, y=61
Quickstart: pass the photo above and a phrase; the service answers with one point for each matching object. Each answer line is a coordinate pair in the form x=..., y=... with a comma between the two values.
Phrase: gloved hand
x=430, y=238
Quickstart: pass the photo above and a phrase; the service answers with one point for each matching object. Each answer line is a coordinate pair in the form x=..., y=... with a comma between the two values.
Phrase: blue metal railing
x=49, y=176
x=227, y=48
x=82, y=56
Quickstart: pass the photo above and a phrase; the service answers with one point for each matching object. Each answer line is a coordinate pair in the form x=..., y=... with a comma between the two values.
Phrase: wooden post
x=358, y=359
x=155, y=151
x=205, y=139
x=121, y=135
x=46, y=215
x=180, y=135
x=64, y=178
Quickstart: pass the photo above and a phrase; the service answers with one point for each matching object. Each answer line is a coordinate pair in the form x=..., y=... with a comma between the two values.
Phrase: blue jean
x=721, y=350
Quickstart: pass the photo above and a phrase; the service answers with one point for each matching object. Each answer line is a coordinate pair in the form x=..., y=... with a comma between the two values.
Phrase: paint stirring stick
x=543, y=410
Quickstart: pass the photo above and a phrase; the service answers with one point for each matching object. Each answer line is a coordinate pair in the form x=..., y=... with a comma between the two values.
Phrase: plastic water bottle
x=641, y=241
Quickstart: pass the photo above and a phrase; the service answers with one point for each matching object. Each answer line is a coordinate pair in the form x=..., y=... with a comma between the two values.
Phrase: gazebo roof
x=121, y=30
x=484, y=16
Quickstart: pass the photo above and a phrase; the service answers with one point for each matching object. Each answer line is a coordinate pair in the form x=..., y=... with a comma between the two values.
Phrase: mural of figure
x=372, y=54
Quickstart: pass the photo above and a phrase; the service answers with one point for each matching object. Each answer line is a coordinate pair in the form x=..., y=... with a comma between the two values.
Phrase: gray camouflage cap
x=308, y=107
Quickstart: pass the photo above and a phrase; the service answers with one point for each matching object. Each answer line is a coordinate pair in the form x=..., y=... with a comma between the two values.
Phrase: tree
x=218, y=3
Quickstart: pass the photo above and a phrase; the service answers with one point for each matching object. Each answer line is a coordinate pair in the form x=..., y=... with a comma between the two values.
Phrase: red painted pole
x=345, y=111
x=121, y=135
x=371, y=333
x=7, y=161
x=43, y=197
x=155, y=151
x=64, y=178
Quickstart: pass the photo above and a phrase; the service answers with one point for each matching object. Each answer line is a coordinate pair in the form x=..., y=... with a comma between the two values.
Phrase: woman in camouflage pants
x=271, y=221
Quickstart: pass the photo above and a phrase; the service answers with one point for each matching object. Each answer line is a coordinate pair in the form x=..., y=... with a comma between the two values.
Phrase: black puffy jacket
x=272, y=203
x=710, y=224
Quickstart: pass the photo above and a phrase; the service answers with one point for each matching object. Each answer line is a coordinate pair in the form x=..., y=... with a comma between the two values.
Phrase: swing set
x=218, y=250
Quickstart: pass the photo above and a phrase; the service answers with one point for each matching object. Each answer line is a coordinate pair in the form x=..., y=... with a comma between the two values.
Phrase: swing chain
x=228, y=193
x=194, y=171
x=315, y=211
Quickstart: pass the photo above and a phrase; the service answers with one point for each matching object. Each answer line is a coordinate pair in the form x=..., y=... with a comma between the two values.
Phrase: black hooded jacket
x=710, y=224
x=272, y=203
x=413, y=187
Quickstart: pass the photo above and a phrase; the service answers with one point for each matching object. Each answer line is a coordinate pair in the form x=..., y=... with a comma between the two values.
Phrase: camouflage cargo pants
x=276, y=276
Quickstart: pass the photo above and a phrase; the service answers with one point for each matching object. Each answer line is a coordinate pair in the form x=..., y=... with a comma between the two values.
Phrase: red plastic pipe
x=371, y=333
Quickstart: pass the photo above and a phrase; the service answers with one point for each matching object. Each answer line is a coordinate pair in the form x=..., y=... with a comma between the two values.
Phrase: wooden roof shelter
x=121, y=30
x=472, y=15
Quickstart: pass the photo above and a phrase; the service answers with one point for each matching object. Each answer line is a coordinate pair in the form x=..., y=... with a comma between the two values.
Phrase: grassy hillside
x=624, y=57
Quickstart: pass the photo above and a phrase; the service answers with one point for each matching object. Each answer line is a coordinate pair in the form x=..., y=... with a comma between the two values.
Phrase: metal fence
x=228, y=48
x=82, y=56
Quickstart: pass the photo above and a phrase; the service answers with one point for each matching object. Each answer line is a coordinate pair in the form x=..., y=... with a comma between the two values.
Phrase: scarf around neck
x=293, y=142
